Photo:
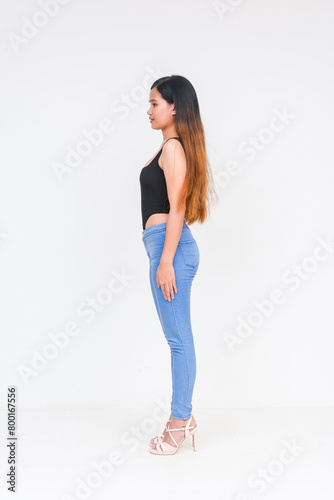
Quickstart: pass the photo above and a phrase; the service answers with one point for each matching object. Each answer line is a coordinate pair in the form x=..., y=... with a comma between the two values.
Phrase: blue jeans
x=174, y=315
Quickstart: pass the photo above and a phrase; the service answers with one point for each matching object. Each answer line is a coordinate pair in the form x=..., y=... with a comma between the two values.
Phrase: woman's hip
x=187, y=254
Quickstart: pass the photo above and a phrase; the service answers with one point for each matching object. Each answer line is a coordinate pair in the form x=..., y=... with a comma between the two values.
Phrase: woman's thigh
x=175, y=314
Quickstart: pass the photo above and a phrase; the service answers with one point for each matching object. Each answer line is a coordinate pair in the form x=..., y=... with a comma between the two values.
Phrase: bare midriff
x=156, y=219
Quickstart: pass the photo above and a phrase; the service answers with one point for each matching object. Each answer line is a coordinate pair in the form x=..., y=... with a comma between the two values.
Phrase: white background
x=61, y=240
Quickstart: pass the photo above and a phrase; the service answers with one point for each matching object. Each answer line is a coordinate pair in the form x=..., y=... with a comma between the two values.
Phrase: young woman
x=176, y=185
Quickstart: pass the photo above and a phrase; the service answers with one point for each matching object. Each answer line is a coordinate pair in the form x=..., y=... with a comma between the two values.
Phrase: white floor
x=243, y=454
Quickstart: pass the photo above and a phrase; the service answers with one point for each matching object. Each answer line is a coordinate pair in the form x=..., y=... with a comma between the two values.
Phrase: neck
x=169, y=132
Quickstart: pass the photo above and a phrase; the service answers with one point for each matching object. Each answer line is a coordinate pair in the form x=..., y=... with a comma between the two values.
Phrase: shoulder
x=172, y=153
x=172, y=146
x=172, y=143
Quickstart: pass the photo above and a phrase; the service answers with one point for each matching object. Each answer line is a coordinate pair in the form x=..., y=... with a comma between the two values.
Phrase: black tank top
x=154, y=197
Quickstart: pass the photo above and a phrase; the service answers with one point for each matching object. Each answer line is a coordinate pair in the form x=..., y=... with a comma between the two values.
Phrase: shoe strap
x=186, y=429
x=164, y=447
x=181, y=428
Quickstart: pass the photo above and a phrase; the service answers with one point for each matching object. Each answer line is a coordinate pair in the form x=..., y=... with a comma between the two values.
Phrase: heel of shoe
x=194, y=432
x=194, y=441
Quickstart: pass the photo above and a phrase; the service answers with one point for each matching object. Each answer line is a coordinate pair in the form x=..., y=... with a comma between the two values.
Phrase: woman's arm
x=173, y=160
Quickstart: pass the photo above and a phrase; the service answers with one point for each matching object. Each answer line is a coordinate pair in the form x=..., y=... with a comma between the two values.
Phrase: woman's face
x=161, y=113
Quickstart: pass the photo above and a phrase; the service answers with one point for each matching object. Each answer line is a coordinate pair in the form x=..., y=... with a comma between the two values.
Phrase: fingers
x=168, y=290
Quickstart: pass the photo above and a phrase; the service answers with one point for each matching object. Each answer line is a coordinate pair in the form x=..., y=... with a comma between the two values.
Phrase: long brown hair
x=198, y=189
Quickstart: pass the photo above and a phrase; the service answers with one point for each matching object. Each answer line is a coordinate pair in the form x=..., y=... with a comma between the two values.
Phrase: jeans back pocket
x=190, y=253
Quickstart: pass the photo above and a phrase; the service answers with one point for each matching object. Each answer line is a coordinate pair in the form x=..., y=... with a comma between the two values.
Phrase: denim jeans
x=174, y=315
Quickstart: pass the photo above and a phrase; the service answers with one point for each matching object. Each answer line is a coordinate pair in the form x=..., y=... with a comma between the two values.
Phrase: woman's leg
x=175, y=319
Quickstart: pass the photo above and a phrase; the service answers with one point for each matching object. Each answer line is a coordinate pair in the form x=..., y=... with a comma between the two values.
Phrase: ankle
x=181, y=421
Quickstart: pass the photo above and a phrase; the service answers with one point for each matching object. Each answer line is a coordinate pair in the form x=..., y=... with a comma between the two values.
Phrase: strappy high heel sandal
x=160, y=438
x=163, y=448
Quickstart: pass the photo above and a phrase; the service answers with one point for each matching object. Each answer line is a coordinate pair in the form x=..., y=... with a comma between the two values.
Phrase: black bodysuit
x=154, y=197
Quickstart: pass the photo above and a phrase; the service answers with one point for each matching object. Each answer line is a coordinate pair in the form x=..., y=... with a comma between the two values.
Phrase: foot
x=177, y=435
x=162, y=435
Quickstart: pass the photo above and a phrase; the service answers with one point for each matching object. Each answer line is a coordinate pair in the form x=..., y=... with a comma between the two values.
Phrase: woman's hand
x=165, y=278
